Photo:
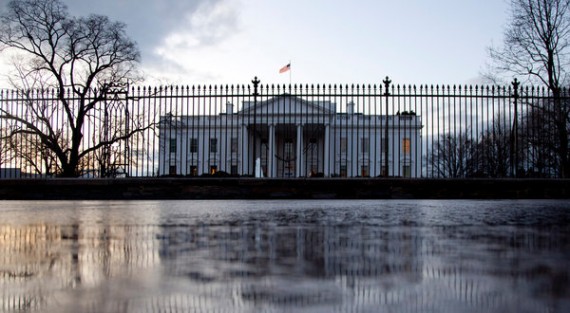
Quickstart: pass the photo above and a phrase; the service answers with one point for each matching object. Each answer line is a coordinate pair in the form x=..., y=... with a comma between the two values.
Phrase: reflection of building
x=359, y=265
x=276, y=262
x=291, y=137
x=39, y=261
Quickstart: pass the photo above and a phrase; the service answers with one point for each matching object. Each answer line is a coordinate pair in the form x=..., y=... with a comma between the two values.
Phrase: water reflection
x=40, y=261
x=368, y=256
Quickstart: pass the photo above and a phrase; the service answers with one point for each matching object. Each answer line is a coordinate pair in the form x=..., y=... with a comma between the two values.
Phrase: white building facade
x=290, y=137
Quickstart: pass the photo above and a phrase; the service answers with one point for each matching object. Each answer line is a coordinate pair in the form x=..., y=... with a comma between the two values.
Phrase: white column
x=299, y=161
x=326, y=163
x=271, y=159
x=244, y=150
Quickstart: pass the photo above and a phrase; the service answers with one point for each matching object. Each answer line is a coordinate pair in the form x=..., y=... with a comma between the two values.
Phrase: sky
x=193, y=42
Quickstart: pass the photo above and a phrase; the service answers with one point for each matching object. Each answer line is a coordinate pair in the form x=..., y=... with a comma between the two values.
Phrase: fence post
x=387, y=83
x=255, y=82
x=116, y=91
x=514, y=131
x=127, y=148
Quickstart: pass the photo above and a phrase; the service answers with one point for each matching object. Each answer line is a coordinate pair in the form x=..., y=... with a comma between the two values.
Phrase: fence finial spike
x=516, y=83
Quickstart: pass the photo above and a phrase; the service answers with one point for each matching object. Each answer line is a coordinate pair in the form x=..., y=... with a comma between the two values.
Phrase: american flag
x=285, y=68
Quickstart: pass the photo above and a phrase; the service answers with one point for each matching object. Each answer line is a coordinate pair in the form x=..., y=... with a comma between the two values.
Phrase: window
x=383, y=171
x=213, y=169
x=213, y=145
x=365, y=145
x=234, y=145
x=193, y=170
x=314, y=170
x=312, y=145
x=384, y=144
x=264, y=151
x=193, y=145
x=172, y=148
x=343, y=171
x=343, y=145
x=312, y=157
x=406, y=146
x=407, y=171
x=364, y=171
x=288, y=149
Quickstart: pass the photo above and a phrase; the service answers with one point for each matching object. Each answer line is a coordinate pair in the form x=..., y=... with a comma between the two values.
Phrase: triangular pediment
x=288, y=104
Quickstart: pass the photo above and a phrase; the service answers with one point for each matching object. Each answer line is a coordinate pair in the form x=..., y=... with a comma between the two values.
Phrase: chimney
x=350, y=108
x=229, y=108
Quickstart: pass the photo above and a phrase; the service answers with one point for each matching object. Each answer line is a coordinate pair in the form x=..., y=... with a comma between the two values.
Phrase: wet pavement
x=285, y=256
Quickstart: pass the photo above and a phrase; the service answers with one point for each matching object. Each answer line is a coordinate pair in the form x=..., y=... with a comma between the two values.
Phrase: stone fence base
x=252, y=188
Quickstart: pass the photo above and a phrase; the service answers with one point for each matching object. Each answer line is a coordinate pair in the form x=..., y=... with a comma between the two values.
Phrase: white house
x=291, y=137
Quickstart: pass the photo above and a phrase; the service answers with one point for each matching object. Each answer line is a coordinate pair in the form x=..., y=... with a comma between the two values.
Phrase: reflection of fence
x=299, y=131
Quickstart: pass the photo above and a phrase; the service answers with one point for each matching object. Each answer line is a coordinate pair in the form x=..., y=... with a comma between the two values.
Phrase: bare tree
x=453, y=156
x=539, y=142
x=492, y=153
x=77, y=57
x=32, y=156
x=5, y=149
x=537, y=45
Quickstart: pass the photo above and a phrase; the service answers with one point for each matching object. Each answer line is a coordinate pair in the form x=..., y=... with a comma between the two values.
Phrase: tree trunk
x=71, y=167
x=69, y=170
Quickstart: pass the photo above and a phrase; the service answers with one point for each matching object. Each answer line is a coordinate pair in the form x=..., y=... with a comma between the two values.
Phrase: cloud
x=169, y=32
x=197, y=45
x=210, y=24
x=153, y=23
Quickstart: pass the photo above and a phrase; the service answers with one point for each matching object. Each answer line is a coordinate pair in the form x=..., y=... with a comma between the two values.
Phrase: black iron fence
x=382, y=130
